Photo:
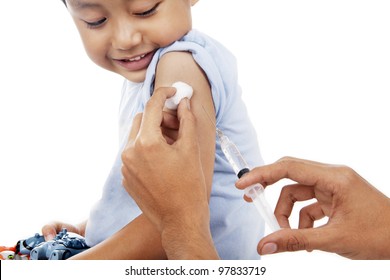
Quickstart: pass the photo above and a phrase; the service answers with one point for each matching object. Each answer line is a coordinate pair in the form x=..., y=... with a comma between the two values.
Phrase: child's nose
x=126, y=36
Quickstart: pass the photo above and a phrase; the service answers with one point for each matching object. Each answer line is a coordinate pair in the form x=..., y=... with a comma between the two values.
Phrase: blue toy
x=62, y=247
x=23, y=247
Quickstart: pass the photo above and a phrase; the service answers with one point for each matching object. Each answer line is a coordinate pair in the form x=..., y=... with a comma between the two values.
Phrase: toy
x=62, y=247
x=23, y=247
x=7, y=253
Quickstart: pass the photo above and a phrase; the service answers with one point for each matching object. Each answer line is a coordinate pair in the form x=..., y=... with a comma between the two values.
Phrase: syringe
x=256, y=191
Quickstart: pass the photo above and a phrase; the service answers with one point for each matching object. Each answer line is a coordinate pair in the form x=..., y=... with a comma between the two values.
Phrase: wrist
x=381, y=234
x=188, y=239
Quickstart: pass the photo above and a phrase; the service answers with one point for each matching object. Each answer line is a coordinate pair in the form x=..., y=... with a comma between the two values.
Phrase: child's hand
x=50, y=230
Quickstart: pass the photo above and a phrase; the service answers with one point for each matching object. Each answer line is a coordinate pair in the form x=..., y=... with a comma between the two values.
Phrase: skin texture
x=182, y=221
x=359, y=215
x=114, y=32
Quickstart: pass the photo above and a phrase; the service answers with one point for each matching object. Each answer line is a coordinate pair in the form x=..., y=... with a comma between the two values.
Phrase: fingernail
x=269, y=248
x=188, y=104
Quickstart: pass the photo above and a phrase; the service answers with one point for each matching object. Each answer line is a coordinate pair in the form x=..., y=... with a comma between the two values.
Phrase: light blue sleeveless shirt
x=235, y=225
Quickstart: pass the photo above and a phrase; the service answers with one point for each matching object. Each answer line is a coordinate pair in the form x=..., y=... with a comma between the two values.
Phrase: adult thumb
x=291, y=240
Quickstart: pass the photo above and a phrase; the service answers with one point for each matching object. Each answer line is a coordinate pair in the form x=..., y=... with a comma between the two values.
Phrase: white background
x=315, y=77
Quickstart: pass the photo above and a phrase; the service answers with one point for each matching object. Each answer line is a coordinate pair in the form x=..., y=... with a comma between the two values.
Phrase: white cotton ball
x=183, y=90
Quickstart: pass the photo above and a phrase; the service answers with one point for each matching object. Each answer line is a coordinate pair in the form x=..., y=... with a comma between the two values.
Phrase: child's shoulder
x=180, y=66
x=204, y=41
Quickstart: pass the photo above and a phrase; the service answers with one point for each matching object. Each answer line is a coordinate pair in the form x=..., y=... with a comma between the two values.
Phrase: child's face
x=122, y=35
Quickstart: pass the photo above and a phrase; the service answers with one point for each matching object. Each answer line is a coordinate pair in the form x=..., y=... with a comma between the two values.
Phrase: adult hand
x=359, y=215
x=164, y=176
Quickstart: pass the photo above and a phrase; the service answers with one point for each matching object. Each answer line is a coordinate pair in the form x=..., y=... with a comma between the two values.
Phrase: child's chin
x=137, y=77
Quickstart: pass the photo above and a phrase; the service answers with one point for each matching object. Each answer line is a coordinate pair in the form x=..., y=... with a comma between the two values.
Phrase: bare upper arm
x=180, y=66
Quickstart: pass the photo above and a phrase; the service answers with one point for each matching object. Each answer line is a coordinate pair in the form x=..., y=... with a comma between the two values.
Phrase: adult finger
x=288, y=196
x=309, y=214
x=153, y=113
x=170, y=127
x=291, y=240
x=170, y=121
x=135, y=126
x=187, y=130
x=299, y=170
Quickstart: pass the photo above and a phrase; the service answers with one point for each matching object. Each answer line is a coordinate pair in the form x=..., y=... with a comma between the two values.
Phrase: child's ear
x=193, y=2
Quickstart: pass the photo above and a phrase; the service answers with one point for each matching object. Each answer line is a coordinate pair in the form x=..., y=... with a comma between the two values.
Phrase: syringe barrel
x=256, y=193
x=234, y=156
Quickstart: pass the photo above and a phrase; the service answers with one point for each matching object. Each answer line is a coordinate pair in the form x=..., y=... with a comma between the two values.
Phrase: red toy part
x=7, y=253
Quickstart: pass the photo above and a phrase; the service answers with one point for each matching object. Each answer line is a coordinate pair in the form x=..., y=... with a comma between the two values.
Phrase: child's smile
x=135, y=63
x=122, y=36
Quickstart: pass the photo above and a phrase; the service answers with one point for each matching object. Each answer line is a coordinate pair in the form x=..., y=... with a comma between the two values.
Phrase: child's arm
x=180, y=66
x=140, y=239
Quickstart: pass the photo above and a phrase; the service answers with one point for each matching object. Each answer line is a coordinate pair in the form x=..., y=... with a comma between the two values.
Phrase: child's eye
x=95, y=24
x=148, y=12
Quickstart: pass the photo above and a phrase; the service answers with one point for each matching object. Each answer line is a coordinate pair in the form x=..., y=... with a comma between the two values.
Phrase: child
x=151, y=44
